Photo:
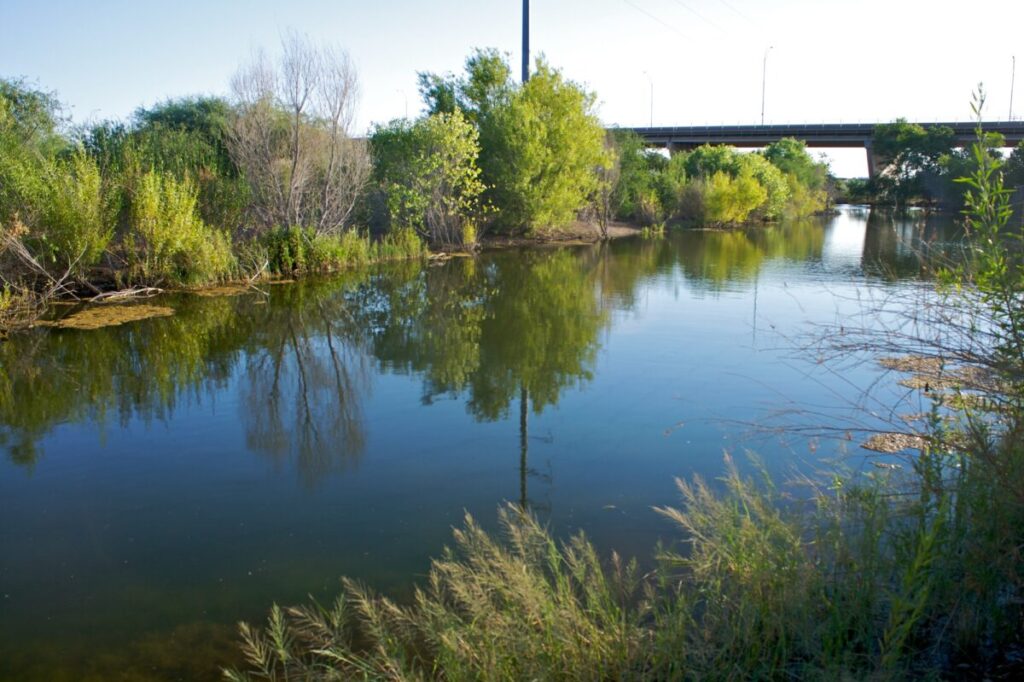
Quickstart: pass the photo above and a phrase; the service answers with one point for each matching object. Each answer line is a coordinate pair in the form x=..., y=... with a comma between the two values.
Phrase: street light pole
x=649, y=80
x=1013, y=77
x=764, y=71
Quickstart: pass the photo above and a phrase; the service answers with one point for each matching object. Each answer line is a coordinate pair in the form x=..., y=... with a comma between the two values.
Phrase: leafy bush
x=70, y=215
x=540, y=149
x=731, y=200
x=774, y=182
x=167, y=241
x=430, y=177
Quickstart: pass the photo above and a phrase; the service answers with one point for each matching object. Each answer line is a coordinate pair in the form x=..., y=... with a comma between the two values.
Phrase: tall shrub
x=540, y=149
x=167, y=241
x=732, y=200
x=429, y=174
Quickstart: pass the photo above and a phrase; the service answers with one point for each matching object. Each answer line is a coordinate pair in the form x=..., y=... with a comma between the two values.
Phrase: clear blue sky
x=871, y=60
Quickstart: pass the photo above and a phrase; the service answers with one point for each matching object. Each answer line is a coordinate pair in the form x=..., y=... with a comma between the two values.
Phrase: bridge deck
x=814, y=134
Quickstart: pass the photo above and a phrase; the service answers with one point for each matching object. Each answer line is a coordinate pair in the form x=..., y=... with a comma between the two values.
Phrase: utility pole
x=526, y=41
x=764, y=71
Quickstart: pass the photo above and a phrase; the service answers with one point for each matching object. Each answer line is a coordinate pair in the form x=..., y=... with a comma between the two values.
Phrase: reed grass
x=867, y=578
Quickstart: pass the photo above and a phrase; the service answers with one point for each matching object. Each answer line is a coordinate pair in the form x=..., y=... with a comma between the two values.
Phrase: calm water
x=163, y=479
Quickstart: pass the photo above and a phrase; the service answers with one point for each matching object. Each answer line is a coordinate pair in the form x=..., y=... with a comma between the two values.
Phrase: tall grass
x=167, y=241
x=69, y=214
x=294, y=250
x=866, y=578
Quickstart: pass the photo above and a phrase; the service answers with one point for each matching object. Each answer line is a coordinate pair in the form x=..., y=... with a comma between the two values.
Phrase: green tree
x=167, y=240
x=790, y=156
x=770, y=177
x=1014, y=170
x=539, y=152
x=29, y=139
x=72, y=215
x=706, y=160
x=486, y=84
x=638, y=194
x=31, y=117
x=430, y=177
x=732, y=200
x=908, y=155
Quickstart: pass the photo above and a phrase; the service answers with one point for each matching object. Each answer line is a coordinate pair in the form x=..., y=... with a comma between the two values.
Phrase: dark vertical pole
x=524, y=443
x=526, y=40
x=1013, y=77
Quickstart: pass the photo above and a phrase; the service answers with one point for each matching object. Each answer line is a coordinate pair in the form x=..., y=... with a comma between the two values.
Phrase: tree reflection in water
x=306, y=383
x=305, y=371
x=514, y=326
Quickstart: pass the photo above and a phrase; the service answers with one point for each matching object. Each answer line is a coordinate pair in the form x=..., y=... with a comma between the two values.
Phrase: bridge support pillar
x=872, y=167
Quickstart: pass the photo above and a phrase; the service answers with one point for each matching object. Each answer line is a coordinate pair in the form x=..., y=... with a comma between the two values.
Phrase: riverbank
x=28, y=308
x=579, y=232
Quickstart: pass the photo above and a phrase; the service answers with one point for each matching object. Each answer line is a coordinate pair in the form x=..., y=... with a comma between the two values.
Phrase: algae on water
x=99, y=316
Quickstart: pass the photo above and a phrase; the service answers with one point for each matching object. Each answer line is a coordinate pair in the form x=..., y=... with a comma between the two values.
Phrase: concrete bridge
x=834, y=135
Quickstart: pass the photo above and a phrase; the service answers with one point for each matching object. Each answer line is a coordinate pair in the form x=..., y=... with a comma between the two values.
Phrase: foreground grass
x=905, y=573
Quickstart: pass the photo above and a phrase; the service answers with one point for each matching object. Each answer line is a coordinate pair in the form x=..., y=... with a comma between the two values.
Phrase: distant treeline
x=716, y=184
x=918, y=165
x=271, y=178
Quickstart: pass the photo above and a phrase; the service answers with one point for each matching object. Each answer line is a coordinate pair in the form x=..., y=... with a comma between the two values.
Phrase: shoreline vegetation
x=270, y=181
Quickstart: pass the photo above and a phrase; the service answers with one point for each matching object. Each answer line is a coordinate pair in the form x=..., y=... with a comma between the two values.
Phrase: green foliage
x=706, y=160
x=853, y=191
x=656, y=231
x=429, y=175
x=778, y=192
x=486, y=84
x=292, y=250
x=186, y=138
x=731, y=200
x=717, y=184
x=540, y=151
x=790, y=156
x=525, y=608
x=805, y=178
x=296, y=250
x=32, y=117
x=645, y=190
x=61, y=199
x=909, y=155
x=998, y=272
x=167, y=241
x=71, y=218
x=401, y=244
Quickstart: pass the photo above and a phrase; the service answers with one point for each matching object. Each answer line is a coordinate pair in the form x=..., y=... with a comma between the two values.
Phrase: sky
x=702, y=60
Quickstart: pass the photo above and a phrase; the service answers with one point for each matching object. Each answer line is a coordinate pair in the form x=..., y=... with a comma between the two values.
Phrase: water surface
x=163, y=479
